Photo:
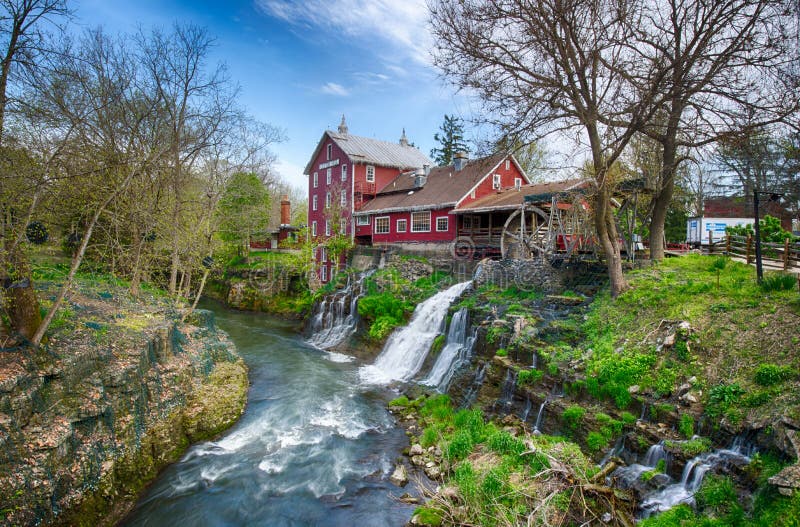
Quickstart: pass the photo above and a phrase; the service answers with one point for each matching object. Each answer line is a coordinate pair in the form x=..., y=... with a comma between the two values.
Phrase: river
x=314, y=447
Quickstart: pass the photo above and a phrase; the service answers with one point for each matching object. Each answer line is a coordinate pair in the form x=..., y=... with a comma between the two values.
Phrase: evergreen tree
x=451, y=141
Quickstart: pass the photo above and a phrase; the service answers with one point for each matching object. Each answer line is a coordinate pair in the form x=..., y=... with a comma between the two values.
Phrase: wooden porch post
x=786, y=254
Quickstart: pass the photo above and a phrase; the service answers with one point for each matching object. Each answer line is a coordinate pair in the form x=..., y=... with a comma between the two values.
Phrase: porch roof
x=514, y=198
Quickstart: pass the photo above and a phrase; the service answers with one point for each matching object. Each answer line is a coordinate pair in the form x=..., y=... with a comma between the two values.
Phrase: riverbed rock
x=399, y=477
x=433, y=472
x=416, y=450
x=418, y=461
x=408, y=498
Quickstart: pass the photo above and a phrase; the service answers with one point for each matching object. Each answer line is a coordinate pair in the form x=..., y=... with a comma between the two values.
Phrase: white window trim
x=344, y=172
x=323, y=254
x=324, y=273
x=397, y=225
x=329, y=152
x=343, y=226
x=314, y=202
x=327, y=200
x=362, y=220
x=429, y=221
x=343, y=199
x=372, y=168
x=327, y=228
x=388, y=225
x=328, y=174
x=517, y=183
x=508, y=164
x=316, y=179
x=313, y=228
x=472, y=194
x=446, y=224
x=497, y=181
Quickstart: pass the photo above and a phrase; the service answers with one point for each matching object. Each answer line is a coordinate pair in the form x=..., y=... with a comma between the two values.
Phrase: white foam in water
x=339, y=357
x=407, y=347
x=454, y=353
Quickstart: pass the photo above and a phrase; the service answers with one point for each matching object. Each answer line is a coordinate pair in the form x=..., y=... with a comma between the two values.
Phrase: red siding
x=416, y=237
x=507, y=177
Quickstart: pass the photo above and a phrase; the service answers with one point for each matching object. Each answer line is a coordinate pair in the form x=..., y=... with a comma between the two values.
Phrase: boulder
x=416, y=450
x=433, y=472
x=399, y=477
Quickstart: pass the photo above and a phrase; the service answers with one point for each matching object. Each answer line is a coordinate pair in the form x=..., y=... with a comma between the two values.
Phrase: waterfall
x=506, y=399
x=535, y=363
x=627, y=476
x=454, y=354
x=527, y=409
x=407, y=347
x=474, y=388
x=655, y=454
x=336, y=317
x=537, y=427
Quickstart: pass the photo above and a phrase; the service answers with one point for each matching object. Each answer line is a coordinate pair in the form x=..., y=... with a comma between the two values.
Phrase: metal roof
x=512, y=198
x=373, y=152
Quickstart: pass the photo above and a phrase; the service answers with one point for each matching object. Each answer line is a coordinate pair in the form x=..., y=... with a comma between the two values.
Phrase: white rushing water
x=454, y=354
x=407, y=347
x=336, y=317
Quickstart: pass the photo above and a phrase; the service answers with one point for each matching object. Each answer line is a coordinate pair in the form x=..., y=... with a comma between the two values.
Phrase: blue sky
x=301, y=65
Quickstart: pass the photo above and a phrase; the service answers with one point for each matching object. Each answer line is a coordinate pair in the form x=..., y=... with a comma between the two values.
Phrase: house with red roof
x=345, y=173
x=420, y=209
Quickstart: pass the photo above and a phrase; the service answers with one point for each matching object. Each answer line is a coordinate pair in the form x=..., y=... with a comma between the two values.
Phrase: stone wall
x=523, y=274
x=86, y=424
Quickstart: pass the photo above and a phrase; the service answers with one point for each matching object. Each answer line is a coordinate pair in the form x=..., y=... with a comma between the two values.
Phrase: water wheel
x=575, y=230
x=526, y=232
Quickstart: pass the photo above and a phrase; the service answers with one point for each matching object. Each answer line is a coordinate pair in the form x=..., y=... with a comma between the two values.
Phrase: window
x=508, y=164
x=421, y=221
x=496, y=181
x=343, y=226
x=330, y=152
x=472, y=194
x=327, y=200
x=327, y=228
x=324, y=254
x=517, y=183
x=402, y=225
x=442, y=224
x=344, y=172
x=344, y=198
x=382, y=225
x=328, y=176
x=370, y=174
x=362, y=220
x=466, y=222
x=324, y=273
x=314, y=202
x=316, y=180
x=313, y=228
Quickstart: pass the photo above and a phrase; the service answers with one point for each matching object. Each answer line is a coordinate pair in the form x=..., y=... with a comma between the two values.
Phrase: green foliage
x=504, y=443
x=572, y=416
x=450, y=141
x=627, y=418
x=770, y=230
x=529, y=377
x=400, y=401
x=243, y=208
x=691, y=447
x=596, y=441
x=438, y=344
x=723, y=396
x=460, y=446
x=502, y=352
x=428, y=516
x=778, y=282
x=770, y=374
x=495, y=333
x=686, y=426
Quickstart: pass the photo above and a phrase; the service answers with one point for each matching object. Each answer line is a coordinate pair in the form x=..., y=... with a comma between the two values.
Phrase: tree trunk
x=608, y=239
x=136, y=279
x=21, y=303
x=661, y=203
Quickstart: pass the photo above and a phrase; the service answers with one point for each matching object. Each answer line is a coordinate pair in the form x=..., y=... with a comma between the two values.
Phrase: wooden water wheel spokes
x=526, y=232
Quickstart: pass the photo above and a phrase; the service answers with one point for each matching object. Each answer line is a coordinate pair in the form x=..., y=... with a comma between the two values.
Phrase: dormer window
x=370, y=174
x=496, y=181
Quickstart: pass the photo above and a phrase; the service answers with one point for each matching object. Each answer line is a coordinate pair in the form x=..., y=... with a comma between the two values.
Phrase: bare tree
x=721, y=57
x=542, y=67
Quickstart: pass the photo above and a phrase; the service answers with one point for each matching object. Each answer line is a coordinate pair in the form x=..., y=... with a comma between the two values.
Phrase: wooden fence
x=784, y=255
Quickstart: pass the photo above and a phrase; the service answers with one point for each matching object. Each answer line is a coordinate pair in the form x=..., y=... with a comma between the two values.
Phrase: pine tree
x=451, y=141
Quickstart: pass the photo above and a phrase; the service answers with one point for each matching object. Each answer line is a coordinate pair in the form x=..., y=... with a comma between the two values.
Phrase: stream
x=314, y=447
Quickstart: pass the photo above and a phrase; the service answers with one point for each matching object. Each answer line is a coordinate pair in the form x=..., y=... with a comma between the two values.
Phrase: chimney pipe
x=460, y=160
x=427, y=168
x=286, y=211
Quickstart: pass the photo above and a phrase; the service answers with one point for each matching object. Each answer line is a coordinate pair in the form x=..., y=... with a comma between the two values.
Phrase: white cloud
x=332, y=88
x=402, y=24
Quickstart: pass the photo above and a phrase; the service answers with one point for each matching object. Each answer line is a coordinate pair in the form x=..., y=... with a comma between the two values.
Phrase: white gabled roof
x=373, y=152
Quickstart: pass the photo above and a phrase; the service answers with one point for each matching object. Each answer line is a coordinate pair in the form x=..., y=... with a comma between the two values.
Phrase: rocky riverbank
x=120, y=391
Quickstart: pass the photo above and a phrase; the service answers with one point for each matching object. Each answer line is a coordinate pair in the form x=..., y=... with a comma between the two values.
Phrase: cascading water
x=506, y=400
x=336, y=317
x=627, y=476
x=455, y=353
x=537, y=427
x=692, y=477
x=407, y=347
x=475, y=386
x=527, y=409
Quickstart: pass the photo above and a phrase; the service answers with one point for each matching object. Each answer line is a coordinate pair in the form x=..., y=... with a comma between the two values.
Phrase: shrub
x=572, y=416
x=433, y=404
x=722, y=396
x=596, y=441
x=529, y=377
x=504, y=443
x=502, y=352
x=778, y=282
x=686, y=426
x=690, y=447
x=472, y=422
x=460, y=446
x=769, y=374
x=627, y=418
x=400, y=401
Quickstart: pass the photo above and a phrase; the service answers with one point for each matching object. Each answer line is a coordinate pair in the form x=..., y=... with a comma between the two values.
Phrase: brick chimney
x=286, y=211
x=460, y=160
